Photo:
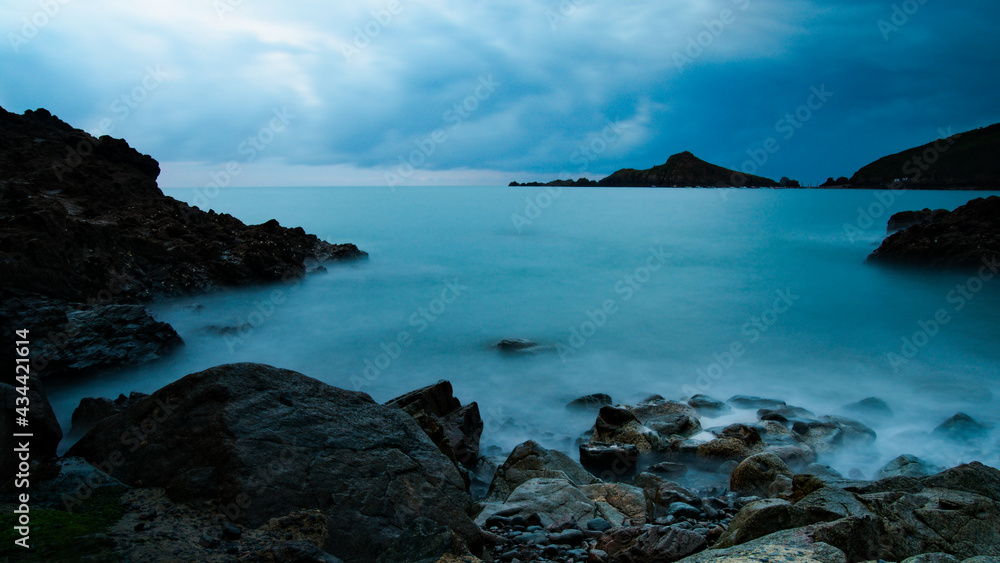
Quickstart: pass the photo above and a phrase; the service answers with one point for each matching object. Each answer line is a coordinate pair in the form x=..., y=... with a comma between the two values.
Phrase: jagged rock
x=530, y=460
x=455, y=429
x=620, y=426
x=262, y=442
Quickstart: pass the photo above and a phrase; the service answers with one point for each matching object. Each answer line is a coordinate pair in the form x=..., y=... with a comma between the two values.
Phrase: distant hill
x=965, y=160
x=680, y=170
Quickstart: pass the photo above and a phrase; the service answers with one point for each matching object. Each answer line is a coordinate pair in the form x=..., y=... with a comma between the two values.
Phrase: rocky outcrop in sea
x=967, y=238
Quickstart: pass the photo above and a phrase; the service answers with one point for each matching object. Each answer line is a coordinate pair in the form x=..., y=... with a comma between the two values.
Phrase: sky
x=478, y=92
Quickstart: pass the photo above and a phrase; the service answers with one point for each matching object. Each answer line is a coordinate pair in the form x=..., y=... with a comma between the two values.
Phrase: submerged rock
x=750, y=402
x=589, y=403
x=907, y=466
x=961, y=428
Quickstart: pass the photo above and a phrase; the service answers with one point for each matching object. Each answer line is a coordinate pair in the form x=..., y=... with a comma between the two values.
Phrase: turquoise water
x=635, y=291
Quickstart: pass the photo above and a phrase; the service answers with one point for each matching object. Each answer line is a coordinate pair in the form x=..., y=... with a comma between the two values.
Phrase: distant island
x=961, y=161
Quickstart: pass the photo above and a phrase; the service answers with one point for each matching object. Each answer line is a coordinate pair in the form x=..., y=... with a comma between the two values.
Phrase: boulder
x=756, y=520
x=735, y=442
x=833, y=433
x=262, y=442
x=455, y=429
x=870, y=408
x=530, y=460
x=754, y=474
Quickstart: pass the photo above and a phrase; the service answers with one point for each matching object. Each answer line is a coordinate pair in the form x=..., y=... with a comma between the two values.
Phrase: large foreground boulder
x=262, y=442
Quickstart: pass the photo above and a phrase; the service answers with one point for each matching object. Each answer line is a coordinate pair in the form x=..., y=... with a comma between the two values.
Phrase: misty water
x=632, y=291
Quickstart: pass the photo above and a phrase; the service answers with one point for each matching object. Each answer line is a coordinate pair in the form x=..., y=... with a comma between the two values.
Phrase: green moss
x=58, y=535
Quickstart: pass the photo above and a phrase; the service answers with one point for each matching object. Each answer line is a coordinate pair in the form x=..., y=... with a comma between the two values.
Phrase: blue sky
x=483, y=92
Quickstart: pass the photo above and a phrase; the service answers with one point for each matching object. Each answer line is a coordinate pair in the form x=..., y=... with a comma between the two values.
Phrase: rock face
x=83, y=227
x=263, y=442
x=680, y=170
x=966, y=238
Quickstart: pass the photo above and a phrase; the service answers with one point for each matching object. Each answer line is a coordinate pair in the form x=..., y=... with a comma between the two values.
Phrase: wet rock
x=907, y=466
x=833, y=433
x=620, y=426
x=668, y=469
x=961, y=428
x=754, y=474
x=609, y=460
x=736, y=442
x=530, y=460
x=784, y=413
x=667, y=418
x=788, y=546
x=589, y=403
x=751, y=402
x=757, y=520
x=872, y=408
x=371, y=469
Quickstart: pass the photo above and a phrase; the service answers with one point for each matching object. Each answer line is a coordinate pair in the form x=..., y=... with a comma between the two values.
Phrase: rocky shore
x=246, y=462
x=86, y=237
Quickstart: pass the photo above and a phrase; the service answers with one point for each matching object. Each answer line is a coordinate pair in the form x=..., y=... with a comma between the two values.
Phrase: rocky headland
x=86, y=237
x=680, y=170
x=247, y=462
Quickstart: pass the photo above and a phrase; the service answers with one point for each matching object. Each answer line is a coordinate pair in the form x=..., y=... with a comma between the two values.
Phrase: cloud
x=367, y=82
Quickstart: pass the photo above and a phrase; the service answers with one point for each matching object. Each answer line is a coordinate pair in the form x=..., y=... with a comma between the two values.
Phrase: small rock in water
x=590, y=402
x=708, y=405
x=515, y=345
x=872, y=407
x=750, y=402
x=668, y=468
x=961, y=428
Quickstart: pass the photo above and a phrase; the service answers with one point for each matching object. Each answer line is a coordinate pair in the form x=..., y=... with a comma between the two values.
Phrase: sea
x=626, y=291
